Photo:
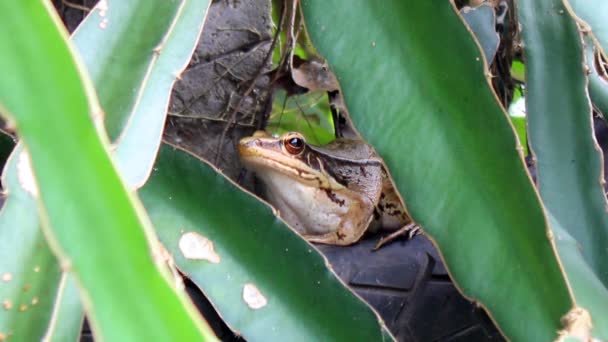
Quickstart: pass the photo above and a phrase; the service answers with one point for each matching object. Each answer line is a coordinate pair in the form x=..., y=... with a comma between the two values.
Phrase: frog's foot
x=411, y=229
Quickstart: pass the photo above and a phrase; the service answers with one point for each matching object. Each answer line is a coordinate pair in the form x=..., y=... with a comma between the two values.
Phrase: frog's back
x=367, y=174
x=356, y=151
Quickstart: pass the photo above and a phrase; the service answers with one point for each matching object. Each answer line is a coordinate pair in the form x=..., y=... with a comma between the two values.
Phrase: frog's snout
x=255, y=144
x=247, y=145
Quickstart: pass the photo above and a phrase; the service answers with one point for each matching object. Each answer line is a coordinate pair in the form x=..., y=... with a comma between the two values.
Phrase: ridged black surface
x=409, y=287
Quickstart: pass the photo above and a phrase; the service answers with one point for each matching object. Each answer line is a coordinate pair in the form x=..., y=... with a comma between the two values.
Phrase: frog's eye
x=294, y=144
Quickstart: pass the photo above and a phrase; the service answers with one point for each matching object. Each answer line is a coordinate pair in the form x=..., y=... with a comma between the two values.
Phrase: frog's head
x=288, y=155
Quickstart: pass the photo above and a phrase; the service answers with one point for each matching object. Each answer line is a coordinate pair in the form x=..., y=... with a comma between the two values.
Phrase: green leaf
x=146, y=47
x=35, y=289
x=196, y=210
x=568, y=160
x=482, y=21
x=117, y=42
x=308, y=114
x=140, y=140
x=416, y=90
x=68, y=313
x=66, y=326
x=94, y=225
x=589, y=291
x=594, y=14
x=518, y=71
x=29, y=272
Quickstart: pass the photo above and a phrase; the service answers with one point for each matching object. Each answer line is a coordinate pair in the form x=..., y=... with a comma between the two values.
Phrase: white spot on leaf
x=7, y=304
x=6, y=277
x=25, y=174
x=103, y=23
x=102, y=6
x=253, y=297
x=195, y=246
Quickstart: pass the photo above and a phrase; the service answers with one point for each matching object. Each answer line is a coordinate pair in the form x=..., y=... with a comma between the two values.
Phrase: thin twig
x=75, y=6
x=268, y=58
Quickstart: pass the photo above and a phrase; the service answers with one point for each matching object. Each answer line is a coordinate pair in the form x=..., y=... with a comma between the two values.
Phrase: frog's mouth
x=265, y=155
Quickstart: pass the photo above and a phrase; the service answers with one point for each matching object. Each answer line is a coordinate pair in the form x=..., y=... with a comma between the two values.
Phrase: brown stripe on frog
x=309, y=156
x=332, y=197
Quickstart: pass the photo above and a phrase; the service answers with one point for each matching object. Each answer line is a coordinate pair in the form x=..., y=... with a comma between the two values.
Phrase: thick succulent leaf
x=568, y=159
x=117, y=43
x=134, y=51
x=93, y=224
x=482, y=21
x=223, y=239
x=68, y=313
x=595, y=14
x=158, y=79
x=413, y=80
x=35, y=295
x=33, y=291
x=29, y=272
x=590, y=293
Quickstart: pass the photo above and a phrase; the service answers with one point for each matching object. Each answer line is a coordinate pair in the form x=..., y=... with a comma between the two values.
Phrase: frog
x=331, y=194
